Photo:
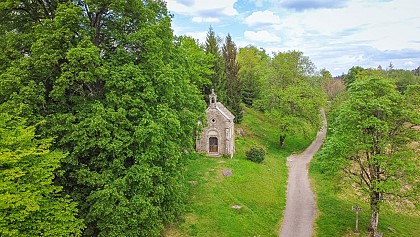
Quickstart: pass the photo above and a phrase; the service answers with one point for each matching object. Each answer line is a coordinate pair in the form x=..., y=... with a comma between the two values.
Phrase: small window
x=213, y=120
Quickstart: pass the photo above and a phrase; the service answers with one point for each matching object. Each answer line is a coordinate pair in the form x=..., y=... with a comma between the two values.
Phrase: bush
x=256, y=154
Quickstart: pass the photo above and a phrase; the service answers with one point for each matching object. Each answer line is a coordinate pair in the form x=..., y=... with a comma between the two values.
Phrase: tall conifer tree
x=218, y=78
x=233, y=84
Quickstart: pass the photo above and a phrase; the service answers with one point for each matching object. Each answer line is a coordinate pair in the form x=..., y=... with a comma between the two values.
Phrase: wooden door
x=213, y=144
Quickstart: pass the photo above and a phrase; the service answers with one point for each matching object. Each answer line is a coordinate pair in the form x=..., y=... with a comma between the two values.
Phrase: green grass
x=336, y=218
x=259, y=188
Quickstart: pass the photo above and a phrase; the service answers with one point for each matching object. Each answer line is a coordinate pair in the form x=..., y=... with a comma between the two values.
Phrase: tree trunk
x=281, y=140
x=374, y=213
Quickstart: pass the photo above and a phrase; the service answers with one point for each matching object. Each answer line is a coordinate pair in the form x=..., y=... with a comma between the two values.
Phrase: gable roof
x=223, y=110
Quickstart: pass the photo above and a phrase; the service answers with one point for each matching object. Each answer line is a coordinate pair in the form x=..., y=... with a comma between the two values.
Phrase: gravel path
x=300, y=205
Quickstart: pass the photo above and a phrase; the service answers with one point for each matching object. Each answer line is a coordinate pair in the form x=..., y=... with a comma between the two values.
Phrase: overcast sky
x=334, y=34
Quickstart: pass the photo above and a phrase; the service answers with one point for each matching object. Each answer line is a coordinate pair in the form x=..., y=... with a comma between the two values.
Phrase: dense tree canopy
x=252, y=72
x=291, y=96
x=118, y=93
x=30, y=204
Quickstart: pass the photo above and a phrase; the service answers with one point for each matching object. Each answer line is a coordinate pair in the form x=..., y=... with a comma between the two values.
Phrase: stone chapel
x=218, y=138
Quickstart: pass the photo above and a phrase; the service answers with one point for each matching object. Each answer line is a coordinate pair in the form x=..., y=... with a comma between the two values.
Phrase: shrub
x=256, y=154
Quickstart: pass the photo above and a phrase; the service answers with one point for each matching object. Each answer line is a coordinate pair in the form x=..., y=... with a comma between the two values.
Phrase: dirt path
x=300, y=205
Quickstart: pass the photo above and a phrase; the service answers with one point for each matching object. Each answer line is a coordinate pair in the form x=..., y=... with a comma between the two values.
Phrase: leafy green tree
x=197, y=63
x=350, y=77
x=291, y=96
x=233, y=83
x=253, y=64
x=118, y=93
x=403, y=78
x=325, y=74
x=370, y=139
x=218, y=77
x=30, y=204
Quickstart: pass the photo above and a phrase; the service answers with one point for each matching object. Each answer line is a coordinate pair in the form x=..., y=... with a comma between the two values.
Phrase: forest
x=99, y=103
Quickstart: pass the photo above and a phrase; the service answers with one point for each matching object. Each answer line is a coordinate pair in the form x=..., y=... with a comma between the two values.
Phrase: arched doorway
x=213, y=144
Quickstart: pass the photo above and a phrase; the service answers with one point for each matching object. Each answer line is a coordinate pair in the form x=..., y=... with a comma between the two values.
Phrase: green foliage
x=197, y=63
x=350, y=77
x=253, y=64
x=403, y=78
x=118, y=92
x=291, y=96
x=255, y=154
x=336, y=217
x=30, y=204
x=233, y=83
x=260, y=189
x=369, y=139
x=218, y=77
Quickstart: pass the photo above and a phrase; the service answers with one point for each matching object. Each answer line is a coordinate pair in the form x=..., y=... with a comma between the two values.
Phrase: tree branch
x=364, y=171
x=47, y=14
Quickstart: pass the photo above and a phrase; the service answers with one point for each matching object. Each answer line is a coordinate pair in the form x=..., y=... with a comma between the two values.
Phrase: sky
x=334, y=34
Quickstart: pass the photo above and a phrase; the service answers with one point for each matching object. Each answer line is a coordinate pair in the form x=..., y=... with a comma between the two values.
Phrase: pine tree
x=233, y=84
x=218, y=78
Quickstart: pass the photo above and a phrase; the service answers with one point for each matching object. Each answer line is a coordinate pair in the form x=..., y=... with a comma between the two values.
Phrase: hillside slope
x=259, y=189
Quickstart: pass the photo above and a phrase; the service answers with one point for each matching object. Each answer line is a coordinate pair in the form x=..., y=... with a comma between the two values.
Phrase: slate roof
x=224, y=111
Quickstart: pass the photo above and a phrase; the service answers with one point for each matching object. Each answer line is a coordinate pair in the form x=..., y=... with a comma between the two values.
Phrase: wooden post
x=357, y=209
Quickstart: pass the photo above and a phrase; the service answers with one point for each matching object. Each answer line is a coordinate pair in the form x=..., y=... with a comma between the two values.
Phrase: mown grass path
x=300, y=204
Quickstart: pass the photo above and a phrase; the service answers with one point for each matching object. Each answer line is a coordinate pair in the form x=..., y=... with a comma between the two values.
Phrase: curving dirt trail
x=300, y=204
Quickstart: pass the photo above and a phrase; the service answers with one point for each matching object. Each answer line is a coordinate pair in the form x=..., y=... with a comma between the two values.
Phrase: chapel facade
x=218, y=138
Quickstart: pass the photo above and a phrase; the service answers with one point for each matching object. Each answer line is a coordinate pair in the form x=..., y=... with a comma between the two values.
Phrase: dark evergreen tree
x=218, y=78
x=416, y=71
x=233, y=84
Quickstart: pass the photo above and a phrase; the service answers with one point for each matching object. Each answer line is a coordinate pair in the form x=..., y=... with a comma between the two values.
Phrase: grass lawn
x=260, y=189
x=336, y=218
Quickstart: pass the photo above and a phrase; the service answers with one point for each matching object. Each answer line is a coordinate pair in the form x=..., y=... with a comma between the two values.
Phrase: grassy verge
x=260, y=189
x=336, y=218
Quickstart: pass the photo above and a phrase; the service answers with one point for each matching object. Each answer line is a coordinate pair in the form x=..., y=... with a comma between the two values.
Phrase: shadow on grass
x=336, y=217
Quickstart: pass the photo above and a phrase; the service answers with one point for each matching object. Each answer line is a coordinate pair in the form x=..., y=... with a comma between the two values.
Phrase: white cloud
x=200, y=36
x=385, y=25
x=409, y=63
x=359, y=32
x=203, y=8
x=262, y=36
x=205, y=19
x=262, y=18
